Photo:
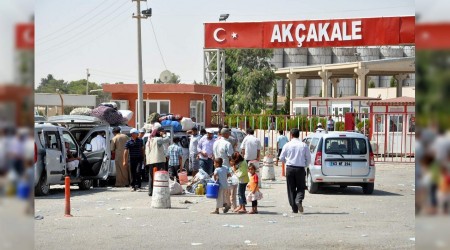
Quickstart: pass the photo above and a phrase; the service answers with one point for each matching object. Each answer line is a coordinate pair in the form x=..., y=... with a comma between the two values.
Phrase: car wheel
x=368, y=188
x=42, y=188
x=312, y=186
x=85, y=184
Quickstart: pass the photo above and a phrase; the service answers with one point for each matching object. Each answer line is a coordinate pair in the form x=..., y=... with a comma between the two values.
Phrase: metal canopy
x=384, y=67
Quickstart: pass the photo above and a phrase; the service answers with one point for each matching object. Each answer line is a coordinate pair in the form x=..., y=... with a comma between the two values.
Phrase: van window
x=359, y=146
x=308, y=141
x=67, y=136
x=342, y=146
x=314, y=143
x=52, y=141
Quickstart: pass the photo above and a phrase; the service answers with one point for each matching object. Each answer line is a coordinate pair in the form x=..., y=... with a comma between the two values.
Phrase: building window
x=396, y=123
x=301, y=111
x=153, y=106
x=197, y=109
x=314, y=111
x=379, y=124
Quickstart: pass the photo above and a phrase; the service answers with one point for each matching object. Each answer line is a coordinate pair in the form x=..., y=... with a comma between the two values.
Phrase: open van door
x=95, y=163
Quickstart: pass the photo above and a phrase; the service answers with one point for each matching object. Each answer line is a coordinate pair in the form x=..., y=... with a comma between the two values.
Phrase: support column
x=325, y=75
x=362, y=83
x=292, y=81
x=400, y=78
x=334, y=82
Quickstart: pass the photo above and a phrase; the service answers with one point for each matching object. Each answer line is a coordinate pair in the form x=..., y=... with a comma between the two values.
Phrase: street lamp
x=62, y=101
x=223, y=17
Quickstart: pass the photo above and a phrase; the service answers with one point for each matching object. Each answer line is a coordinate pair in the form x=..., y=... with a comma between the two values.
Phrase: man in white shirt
x=251, y=146
x=99, y=142
x=222, y=148
x=319, y=128
x=297, y=156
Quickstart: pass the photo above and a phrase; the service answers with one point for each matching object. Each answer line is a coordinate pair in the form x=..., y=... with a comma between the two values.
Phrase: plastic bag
x=233, y=180
x=175, y=188
x=202, y=175
x=253, y=197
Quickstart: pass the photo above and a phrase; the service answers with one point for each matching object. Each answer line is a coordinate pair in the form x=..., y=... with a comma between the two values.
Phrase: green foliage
x=360, y=124
x=275, y=98
x=393, y=82
x=248, y=79
x=340, y=95
x=320, y=94
x=287, y=101
x=371, y=84
x=339, y=126
x=306, y=90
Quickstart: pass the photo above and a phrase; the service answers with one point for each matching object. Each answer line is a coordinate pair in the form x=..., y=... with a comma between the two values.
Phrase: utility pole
x=140, y=84
x=87, y=81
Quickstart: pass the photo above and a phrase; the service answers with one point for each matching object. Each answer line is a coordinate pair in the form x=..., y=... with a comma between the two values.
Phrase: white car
x=236, y=133
x=340, y=158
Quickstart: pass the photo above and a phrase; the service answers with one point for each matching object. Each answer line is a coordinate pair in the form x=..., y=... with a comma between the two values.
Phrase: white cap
x=319, y=124
x=66, y=140
x=134, y=131
x=210, y=131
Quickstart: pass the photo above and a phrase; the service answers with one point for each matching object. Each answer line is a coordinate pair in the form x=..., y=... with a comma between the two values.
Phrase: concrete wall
x=387, y=93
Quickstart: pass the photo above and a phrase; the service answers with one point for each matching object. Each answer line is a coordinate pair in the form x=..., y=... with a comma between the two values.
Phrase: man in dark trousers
x=297, y=157
x=135, y=149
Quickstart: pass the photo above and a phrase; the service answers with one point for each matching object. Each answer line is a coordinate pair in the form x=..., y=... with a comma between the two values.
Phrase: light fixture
x=223, y=17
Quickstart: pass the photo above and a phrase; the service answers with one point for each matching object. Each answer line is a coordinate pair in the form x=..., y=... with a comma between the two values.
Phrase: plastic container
x=183, y=176
x=200, y=190
x=212, y=190
x=23, y=190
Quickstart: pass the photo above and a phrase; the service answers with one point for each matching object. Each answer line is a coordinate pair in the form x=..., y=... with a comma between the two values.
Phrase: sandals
x=214, y=212
x=251, y=212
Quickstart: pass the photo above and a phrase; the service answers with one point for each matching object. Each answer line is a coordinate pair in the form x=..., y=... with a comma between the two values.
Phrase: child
x=444, y=190
x=239, y=166
x=220, y=175
x=254, y=194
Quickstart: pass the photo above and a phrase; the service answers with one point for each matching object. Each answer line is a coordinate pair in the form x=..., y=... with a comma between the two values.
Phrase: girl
x=220, y=175
x=254, y=194
x=239, y=166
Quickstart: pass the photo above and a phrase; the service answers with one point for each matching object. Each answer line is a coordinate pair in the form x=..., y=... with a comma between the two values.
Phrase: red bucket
x=183, y=176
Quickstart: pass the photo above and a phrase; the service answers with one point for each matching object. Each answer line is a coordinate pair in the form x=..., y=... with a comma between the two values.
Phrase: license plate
x=339, y=163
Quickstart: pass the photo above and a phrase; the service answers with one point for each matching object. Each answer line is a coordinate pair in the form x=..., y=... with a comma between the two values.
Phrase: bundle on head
x=153, y=117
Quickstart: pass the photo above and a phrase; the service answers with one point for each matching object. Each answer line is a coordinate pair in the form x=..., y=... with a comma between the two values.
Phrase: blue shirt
x=296, y=153
x=205, y=145
x=222, y=177
x=174, y=152
x=135, y=148
x=282, y=140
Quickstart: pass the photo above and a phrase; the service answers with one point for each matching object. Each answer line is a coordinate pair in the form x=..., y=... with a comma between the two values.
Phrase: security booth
x=393, y=126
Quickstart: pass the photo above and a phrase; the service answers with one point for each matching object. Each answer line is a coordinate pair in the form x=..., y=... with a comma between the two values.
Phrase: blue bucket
x=212, y=190
x=23, y=190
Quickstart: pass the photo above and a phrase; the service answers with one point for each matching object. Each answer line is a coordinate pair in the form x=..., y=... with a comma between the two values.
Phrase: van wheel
x=368, y=188
x=312, y=186
x=85, y=184
x=42, y=188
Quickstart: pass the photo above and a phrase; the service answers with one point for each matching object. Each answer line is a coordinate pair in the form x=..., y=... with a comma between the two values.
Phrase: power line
x=157, y=44
x=72, y=39
x=83, y=44
x=69, y=24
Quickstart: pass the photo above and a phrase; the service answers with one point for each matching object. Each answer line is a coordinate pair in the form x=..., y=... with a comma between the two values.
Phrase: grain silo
x=318, y=56
x=369, y=54
x=296, y=57
x=410, y=51
x=389, y=52
x=346, y=86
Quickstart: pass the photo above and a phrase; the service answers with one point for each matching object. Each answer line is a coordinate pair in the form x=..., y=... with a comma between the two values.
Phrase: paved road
x=115, y=218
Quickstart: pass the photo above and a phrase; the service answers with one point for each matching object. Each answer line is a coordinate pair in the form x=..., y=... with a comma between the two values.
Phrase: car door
x=95, y=164
x=360, y=157
x=337, y=157
x=55, y=156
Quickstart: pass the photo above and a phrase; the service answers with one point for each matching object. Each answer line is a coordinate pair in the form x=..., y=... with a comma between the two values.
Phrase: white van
x=340, y=158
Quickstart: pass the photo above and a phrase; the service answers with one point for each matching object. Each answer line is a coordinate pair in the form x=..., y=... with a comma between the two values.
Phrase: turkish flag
x=25, y=36
x=233, y=35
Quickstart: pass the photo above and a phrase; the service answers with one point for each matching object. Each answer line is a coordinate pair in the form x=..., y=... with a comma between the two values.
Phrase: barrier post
x=283, y=173
x=67, y=196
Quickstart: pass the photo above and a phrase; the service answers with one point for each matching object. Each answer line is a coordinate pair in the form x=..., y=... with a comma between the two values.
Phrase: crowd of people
x=234, y=167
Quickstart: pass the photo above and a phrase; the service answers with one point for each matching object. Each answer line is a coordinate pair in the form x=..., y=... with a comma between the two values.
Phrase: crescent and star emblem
x=216, y=35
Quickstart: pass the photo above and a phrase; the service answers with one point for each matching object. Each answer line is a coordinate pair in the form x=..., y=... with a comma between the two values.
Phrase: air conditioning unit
x=121, y=104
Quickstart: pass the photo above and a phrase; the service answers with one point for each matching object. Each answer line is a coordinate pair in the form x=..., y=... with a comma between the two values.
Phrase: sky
x=101, y=35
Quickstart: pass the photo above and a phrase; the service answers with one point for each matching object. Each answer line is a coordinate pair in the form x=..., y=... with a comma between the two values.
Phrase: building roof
x=178, y=88
x=397, y=101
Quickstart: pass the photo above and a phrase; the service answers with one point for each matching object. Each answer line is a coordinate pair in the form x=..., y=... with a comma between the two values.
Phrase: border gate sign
x=311, y=33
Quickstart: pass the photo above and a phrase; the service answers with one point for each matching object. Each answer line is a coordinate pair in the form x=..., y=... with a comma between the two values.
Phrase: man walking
x=157, y=157
x=281, y=141
x=135, y=149
x=175, y=154
x=222, y=148
x=193, y=152
x=251, y=146
x=297, y=156
x=205, y=150
x=118, y=143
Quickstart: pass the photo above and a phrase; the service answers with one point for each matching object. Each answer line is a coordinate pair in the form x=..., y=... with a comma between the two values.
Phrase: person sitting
x=72, y=162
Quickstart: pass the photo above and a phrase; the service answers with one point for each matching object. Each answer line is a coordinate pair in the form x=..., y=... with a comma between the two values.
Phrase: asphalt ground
x=115, y=218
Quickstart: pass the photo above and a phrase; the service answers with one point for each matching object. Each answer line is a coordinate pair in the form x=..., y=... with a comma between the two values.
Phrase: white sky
x=72, y=35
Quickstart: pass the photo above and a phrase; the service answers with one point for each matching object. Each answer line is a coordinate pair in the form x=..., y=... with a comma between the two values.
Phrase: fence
x=392, y=135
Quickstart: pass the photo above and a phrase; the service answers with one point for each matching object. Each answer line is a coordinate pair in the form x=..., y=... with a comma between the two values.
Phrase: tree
x=50, y=85
x=306, y=90
x=275, y=98
x=248, y=79
x=320, y=94
x=371, y=84
x=174, y=78
x=287, y=101
x=393, y=82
